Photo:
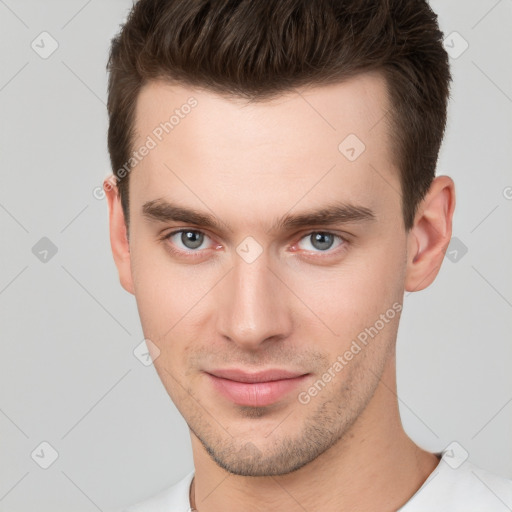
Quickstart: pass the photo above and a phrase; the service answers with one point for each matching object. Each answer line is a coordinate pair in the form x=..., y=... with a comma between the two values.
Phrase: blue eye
x=321, y=241
x=194, y=243
x=191, y=239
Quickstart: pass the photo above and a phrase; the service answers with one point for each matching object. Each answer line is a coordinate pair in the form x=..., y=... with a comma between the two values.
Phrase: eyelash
x=315, y=254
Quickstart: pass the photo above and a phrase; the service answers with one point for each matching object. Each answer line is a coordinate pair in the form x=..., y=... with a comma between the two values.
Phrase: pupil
x=192, y=239
x=322, y=241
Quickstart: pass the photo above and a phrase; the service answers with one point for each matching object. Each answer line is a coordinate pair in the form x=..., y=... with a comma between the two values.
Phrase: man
x=274, y=196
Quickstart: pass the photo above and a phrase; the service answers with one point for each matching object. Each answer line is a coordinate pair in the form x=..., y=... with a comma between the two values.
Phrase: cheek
x=165, y=292
x=351, y=297
x=176, y=304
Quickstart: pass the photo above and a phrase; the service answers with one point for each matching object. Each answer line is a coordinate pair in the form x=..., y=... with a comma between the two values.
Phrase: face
x=267, y=258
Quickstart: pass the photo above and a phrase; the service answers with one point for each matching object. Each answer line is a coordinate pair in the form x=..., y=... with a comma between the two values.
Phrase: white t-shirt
x=453, y=486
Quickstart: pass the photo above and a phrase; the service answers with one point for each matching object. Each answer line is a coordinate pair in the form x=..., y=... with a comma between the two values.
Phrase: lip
x=256, y=389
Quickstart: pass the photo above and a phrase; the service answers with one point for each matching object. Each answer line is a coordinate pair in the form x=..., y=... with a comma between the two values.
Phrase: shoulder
x=171, y=499
x=461, y=486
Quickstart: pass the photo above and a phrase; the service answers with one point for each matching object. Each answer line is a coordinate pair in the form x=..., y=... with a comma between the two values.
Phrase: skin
x=298, y=306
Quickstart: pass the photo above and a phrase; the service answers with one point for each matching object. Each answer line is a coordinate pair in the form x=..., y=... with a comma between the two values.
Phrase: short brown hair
x=258, y=49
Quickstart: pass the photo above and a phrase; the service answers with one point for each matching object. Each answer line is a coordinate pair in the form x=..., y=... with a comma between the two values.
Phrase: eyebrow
x=160, y=210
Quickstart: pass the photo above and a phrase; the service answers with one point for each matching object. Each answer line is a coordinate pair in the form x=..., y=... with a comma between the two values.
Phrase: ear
x=118, y=235
x=430, y=235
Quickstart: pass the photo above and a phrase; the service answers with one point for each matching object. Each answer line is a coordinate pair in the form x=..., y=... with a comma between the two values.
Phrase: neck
x=375, y=466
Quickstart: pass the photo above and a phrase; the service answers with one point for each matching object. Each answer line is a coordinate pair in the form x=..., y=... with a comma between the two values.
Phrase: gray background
x=68, y=375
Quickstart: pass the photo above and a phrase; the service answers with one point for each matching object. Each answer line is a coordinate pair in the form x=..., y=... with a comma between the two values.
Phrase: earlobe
x=430, y=235
x=118, y=235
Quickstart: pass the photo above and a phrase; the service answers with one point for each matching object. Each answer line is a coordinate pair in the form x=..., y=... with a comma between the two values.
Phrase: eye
x=320, y=241
x=189, y=239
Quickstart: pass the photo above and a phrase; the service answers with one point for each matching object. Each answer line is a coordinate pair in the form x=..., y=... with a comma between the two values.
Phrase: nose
x=252, y=309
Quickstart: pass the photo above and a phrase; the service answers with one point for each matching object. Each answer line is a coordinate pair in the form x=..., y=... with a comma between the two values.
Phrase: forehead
x=307, y=145
x=355, y=105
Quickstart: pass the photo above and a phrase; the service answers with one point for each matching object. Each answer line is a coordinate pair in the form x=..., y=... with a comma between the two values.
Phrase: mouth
x=256, y=389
